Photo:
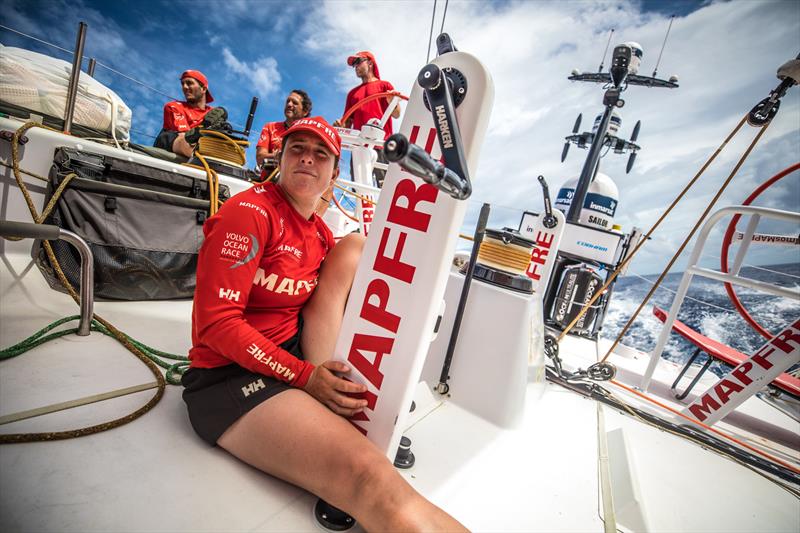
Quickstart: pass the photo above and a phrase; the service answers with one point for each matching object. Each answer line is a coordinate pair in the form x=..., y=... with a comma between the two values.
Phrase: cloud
x=262, y=74
x=531, y=47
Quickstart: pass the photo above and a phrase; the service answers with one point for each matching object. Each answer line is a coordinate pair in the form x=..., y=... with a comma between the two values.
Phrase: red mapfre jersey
x=180, y=116
x=272, y=136
x=257, y=267
x=374, y=109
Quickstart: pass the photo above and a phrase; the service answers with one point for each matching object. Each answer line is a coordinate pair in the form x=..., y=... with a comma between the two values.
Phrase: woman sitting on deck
x=267, y=312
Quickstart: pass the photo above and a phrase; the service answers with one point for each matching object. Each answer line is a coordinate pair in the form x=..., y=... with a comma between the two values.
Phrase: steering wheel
x=370, y=98
x=726, y=242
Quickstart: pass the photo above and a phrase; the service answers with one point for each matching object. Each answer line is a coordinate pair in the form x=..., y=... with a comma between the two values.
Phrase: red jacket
x=257, y=267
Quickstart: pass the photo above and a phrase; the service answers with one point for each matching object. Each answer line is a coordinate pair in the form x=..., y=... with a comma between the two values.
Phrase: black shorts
x=218, y=397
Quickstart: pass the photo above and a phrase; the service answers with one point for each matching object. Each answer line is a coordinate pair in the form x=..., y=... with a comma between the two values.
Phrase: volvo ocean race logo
x=242, y=242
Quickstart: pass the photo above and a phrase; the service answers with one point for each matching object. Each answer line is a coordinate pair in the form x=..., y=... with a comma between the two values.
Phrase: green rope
x=174, y=369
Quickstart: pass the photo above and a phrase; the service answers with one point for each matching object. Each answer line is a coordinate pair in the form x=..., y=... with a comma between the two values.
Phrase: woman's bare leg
x=294, y=437
x=323, y=312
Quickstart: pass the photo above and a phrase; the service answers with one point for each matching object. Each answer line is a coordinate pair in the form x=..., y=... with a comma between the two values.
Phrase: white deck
x=155, y=474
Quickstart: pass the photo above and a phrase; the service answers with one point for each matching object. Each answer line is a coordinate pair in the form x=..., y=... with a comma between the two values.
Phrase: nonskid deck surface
x=156, y=474
x=754, y=422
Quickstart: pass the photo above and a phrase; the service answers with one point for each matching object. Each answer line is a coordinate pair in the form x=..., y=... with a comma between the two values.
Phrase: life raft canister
x=600, y=204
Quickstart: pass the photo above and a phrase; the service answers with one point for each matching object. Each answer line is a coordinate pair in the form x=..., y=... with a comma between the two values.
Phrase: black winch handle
x=418, y=162
x=549, y=221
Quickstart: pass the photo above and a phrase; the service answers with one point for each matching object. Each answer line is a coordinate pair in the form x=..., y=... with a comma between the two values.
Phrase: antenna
x=655, y=70
x=603, y=60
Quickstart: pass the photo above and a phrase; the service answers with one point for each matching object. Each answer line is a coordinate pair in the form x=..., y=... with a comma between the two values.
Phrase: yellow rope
x=510, y=257
x=217, y=144
x=213, y=183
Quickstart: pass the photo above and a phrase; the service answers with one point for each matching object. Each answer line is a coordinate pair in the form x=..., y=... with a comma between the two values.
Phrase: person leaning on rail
x=271, y=290
x=184, y=120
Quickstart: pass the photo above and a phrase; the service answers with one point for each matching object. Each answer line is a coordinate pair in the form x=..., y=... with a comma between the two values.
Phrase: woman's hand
x=332, y=391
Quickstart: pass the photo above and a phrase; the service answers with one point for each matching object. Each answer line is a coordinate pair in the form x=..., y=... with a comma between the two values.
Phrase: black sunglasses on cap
x=358, y=61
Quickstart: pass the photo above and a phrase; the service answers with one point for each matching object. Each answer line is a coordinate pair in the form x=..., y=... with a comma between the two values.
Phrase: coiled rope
x=124, y=339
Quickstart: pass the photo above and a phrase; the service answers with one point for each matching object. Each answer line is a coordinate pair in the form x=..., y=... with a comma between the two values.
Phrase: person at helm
x=271, y=289
x=183, y=119
x=366, y=68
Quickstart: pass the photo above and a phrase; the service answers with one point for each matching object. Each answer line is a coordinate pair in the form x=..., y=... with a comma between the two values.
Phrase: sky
x=725, y=55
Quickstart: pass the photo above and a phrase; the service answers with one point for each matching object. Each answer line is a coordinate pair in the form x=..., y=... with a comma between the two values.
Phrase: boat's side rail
x=27, y=230
x=734, y=277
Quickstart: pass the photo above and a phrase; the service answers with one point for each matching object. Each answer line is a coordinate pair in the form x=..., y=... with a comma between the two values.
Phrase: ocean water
x=706, y=309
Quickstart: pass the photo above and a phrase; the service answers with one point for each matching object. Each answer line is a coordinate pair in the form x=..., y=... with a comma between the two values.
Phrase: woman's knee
x=349, y=248
x=343, y=260
x=369, y=473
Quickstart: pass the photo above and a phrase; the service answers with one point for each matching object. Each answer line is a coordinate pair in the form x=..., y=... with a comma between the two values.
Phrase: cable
x=38, y=40
x=430, y=37
x=686, y=241
x=686, y=297
x=658, y=222
x=71, y=52
x=444, y=16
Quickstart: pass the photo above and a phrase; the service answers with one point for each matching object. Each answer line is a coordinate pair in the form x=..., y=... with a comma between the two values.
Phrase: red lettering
x=393, y=266
x=409, y=216
x=531, y=272
x=380, y=346
x=372, y=400
x=706, y=406
x=783, y=338
x=377, y=314
x=760, y=357
x=724, y=389
x=545, y=239
x=413, y=135
x=431, y=138
x=539, y=255
x=741, y=371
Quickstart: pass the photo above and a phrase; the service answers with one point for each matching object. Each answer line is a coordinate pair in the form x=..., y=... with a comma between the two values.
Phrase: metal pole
x=92, y=64
x=480, y=230
x=72, y=91
x=589, y=168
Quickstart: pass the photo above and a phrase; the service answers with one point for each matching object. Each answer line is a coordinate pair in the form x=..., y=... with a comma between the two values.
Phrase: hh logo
x=250, y=388
x=229, y=294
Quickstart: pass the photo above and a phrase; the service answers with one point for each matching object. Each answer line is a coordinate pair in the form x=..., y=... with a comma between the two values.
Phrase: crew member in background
x=298, y=105
x=272, y=284
x=182, y=120
x=366, y=68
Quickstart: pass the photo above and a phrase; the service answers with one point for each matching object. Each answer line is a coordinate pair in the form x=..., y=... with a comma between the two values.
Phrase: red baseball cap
x=199, y=76
x=365, y=54
x=319, y=127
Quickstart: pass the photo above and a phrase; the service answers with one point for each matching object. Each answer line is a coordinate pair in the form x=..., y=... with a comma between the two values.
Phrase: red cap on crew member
x=199, y=76
x=365, y=54
x=320, y=127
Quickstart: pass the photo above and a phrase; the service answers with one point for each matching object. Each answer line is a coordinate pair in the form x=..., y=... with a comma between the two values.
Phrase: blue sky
x=725, y=59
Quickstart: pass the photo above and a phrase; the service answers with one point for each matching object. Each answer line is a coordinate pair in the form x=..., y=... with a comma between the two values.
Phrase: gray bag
x=143, y=224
